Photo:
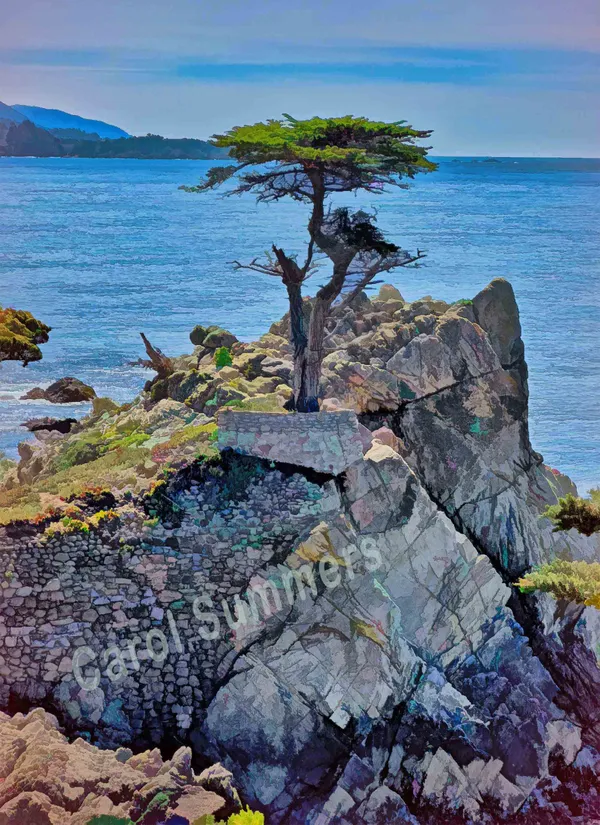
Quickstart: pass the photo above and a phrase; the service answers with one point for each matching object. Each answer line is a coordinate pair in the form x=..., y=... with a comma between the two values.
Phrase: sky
x=490, y=77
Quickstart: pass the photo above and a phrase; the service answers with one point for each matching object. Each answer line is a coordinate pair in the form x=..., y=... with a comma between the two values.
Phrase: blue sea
x=102, y=250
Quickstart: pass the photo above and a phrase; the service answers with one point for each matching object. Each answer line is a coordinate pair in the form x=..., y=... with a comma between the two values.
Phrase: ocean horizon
x=104, y=249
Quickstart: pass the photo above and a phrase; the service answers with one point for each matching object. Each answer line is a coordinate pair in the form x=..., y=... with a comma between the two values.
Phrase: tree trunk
x=299, y=340
x=314, y=356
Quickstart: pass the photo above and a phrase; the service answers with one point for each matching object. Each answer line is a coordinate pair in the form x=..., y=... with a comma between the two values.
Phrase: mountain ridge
x=31, y=131
x=58, y=119
x=7, y=113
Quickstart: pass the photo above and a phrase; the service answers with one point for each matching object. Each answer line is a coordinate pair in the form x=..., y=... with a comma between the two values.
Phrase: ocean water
x=102, y=250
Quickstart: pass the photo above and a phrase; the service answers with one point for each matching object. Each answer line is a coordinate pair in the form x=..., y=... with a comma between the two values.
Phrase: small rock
x=59, y=425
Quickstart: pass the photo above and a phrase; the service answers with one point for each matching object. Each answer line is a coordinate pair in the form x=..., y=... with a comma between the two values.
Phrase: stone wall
x=327, y=442
x=111, y=587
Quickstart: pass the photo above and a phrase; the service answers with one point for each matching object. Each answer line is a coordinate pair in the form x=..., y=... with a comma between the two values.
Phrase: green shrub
x=107, y=819
x=223, y=357
x=245, y=817
x=5, y=465
x=575, y=581
x=581, y=513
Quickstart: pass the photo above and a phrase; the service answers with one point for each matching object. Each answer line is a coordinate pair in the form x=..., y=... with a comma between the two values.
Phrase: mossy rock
x=20, y=334
x=69, y=391
x=387, y=292
x=197, y=335
x=218, y=337
x=181, y=385
x=248, y=363
x=103, y=405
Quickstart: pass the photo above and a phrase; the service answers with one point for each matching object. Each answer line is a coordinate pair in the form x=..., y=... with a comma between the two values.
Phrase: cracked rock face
x=411, y=680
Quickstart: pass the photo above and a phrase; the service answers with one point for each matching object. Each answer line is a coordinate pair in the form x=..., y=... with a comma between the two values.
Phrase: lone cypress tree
x=310, y=160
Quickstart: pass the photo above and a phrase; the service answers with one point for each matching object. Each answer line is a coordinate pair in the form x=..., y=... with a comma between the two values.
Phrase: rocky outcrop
x=20, y=336
x=47, y=781
x=63, y=391
x=329, y=613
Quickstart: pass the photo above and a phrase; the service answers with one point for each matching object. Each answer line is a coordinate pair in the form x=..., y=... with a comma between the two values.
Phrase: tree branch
x=162, y=365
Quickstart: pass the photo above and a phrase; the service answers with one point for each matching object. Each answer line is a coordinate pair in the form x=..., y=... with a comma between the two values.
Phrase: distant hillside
x=56, y=119
x=150, y=147
x=7, y=113
x=25, y=139
x=30, y=131
x=73, y=134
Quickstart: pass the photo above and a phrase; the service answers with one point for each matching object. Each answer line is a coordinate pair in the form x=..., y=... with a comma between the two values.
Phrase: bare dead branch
x=159, y=362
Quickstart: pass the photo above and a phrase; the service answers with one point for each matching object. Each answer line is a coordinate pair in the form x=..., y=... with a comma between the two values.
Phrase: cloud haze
x=520, y=78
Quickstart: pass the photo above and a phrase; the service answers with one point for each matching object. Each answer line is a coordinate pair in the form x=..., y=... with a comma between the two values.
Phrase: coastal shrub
x=200, y=436
x=102, y=518
x=19, y=504
x=66, y=526
x=5, y=464
x=579, y=513
x=132, y=440
x=223, y=357
x=125, y=467
x=267, y=402
x=245, y=817
x=574, y=581
x=80, y=451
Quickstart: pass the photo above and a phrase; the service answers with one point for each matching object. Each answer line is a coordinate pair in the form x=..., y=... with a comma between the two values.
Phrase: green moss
x=107, y=819
x=79, y=451
x=20, y=334
x=132, y=440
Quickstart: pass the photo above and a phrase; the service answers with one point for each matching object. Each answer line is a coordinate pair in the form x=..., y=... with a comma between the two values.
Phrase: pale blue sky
x=520, y=77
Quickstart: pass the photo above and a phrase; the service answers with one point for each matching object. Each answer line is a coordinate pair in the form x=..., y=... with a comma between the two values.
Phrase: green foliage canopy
x=352, y=152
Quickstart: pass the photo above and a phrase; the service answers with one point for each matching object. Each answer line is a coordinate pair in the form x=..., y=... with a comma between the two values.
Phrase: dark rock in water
x=63, y=391
x=69, y=390
x=36, y=394
x=59, y=425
